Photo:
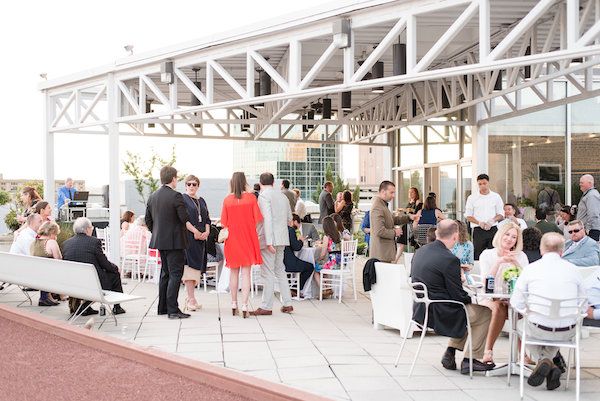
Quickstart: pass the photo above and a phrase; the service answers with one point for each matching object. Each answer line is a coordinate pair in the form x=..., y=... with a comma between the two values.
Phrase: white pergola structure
x=454, y=54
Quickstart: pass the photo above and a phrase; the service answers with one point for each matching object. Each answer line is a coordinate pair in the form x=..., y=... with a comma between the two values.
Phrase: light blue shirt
x=64, y=193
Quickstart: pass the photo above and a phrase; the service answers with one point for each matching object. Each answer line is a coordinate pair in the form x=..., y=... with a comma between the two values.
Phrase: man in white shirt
x=300, y=205
x=510, y=214
x=22, y=244
x=484, y=209
x=555, y=278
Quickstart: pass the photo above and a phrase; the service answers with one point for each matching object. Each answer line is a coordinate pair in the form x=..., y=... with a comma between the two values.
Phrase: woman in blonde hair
x=507, y=252
x=239, y=216
x=45, y=246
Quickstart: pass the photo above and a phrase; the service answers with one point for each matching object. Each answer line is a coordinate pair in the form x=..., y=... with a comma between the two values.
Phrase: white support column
x=572, y=22
x=480, y=146
x=48, y=156
x=484, y=30
x=113, y=169
x=349, y=60
x=249, y=76
x=568, y=150
x=295, y=65
x=411, y=43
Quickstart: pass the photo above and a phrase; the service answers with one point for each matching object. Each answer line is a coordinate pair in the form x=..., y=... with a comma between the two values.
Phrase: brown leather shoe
x=287, y=309
x=261, y=312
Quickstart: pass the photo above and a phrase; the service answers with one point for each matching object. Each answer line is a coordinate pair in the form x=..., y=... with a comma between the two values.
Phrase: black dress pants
x=170, y=280
x=482, y=240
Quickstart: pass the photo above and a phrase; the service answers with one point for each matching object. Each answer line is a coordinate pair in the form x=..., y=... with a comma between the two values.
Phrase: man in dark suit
x=87, y=249
x=326, y=205
x=292, y=263
x=436, y=267
x=167, y=219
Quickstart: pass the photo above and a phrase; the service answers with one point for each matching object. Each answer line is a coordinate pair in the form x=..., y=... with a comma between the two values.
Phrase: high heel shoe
x=244, y=311
x=234, y=308
x=191, y=306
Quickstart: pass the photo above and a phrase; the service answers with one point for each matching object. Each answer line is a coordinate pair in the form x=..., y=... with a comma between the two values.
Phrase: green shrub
x=66, y=232
x=11, y=220
x=4, y=198
x=362, y=245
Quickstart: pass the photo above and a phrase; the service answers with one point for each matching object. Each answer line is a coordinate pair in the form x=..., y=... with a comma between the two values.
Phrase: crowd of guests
x=547, y=254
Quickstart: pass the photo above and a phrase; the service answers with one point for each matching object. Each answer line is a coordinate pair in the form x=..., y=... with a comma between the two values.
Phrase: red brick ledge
x=201, y=372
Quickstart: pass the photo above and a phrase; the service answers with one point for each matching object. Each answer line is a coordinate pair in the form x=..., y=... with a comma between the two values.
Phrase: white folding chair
x=335, y=278
x=152, y=265
x=103, y=234
x=421, y=296
x=133, y=254
x=294, y=283
x=211, y=273
x=554, y=309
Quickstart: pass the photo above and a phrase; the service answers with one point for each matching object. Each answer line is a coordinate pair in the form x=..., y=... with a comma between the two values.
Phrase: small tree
x=144, y=172
x=338, y=186
x=4, y=198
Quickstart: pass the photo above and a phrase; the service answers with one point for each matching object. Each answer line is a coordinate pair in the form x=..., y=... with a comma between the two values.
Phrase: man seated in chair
x=435, y=266
x=84, y=248
x=581, y=250
x=292, y=263
x=592, y=288
x=554, y=278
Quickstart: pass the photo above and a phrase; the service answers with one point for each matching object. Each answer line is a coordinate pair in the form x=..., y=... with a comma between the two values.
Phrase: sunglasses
x=191, y=184
x=574, y=231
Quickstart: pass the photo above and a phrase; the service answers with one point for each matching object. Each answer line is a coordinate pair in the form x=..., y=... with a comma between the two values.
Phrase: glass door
x=448, y=179
x=465, y=189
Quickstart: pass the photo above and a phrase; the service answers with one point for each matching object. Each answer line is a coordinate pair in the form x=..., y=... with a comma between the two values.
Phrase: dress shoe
x=478, y=366
x=448, y=360
x=541, y=371
x=47, y=302
x=559, y=362
x=179, y=315
x=287, y=309
x=553, y=379
x=117, y=310
x=89, y=311
x=261, y=312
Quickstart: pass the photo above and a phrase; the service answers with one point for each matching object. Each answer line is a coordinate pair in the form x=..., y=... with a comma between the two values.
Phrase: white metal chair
x=211, y=273
x=559, y=309
x=103, y=234
x=133, y=254
x=335, y=278
x=153, y=265
x=294, y=283
x=421, y=296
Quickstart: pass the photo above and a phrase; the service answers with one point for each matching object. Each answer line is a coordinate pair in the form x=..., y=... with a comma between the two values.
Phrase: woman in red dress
x=240, y=216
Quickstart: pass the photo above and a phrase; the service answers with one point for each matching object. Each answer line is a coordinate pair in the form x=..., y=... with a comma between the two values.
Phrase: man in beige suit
x=273, y=236
x=383, y=233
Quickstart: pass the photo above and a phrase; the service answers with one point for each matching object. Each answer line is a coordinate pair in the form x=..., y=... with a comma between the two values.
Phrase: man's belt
x=553, y=329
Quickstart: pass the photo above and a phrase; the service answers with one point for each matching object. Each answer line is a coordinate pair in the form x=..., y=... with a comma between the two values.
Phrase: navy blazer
x=436, y=267
x=166, y=216
x=289, y=258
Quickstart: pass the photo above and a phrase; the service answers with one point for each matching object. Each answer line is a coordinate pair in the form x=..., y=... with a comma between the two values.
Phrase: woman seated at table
x=463, y=250
x=507, y=252
x=294, y=264
x=344, y=233
x=330, y=249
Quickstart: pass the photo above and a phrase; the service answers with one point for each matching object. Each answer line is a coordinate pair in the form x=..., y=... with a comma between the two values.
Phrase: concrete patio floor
x=324, y=347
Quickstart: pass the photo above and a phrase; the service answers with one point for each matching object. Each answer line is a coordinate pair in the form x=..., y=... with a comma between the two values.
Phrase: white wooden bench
x=77, y=280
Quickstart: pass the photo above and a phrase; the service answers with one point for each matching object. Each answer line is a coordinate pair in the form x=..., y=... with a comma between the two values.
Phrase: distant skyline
x=61, y=38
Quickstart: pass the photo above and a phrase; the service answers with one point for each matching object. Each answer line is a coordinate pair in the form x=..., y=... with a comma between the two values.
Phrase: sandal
x=488, y=357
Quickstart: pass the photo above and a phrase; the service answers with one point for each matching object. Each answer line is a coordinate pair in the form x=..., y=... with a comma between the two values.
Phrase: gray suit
x=325, y=205
x=310, y=231
x=273, y=231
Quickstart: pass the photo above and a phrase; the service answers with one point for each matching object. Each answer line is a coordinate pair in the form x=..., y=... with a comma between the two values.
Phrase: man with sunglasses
x=581, y=250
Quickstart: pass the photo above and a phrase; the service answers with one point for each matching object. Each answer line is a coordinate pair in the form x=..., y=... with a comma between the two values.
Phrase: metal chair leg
x=410, y=323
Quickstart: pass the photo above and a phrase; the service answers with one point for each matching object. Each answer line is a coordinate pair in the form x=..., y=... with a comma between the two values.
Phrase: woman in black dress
x=413, y=206
x=195, y=252
x=345, y=210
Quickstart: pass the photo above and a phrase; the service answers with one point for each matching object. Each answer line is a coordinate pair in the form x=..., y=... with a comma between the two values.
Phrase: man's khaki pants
x=479, y=317
x=273, y=270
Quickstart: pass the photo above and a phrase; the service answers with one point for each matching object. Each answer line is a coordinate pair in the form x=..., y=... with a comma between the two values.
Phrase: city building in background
x=13, y=185
x=303, y=164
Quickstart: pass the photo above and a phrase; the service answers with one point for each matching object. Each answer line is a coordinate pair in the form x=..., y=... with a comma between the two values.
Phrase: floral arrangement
x=510, y=273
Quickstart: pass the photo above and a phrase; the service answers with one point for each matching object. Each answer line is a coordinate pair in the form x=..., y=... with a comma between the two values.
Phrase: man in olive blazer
x=382, y=244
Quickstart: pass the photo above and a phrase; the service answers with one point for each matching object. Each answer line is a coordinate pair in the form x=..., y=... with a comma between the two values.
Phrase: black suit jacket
x=85, y=249
x=166, y=216
x=436, y=267
x=290, y=260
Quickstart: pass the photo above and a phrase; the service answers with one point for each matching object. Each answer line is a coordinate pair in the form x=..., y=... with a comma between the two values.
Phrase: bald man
x=555, y=278
x=588, y=210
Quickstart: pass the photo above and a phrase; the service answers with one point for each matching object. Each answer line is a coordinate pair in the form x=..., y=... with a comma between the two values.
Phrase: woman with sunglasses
x=195, y=251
